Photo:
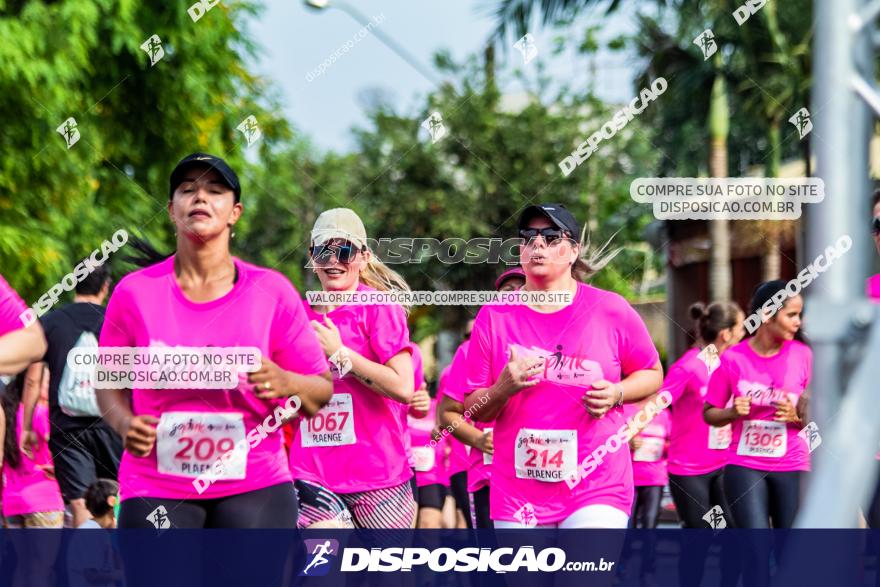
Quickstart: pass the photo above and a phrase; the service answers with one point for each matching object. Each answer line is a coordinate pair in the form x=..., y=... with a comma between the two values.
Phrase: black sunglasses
x=550, y=235
x=345, y=253
x=875, y=226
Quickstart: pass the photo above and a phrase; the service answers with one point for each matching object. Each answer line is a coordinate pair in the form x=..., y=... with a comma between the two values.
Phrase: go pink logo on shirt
x=562, y=368
x=762, y=394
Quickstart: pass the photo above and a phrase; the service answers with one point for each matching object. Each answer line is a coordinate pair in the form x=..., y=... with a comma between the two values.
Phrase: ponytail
x=378, y=275
x=590, y=262
x=713, y=319
x=145, y=253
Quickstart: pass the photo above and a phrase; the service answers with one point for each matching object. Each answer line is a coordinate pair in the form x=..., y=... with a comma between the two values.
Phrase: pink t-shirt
x=695, y=448
x=262, y=310
x=419, y=378
x=27, y=489
x=356, y=443
x=649, y=461
x=478, y=470
x=429, y=456
x=458, y=454
x=766, y=445
x=11, y=307
x=873, y=287
x=543, y=433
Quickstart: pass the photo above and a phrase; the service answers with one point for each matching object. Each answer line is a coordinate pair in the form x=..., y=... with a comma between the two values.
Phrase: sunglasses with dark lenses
x=875, y=226
x=550, y=235
x=345, y=253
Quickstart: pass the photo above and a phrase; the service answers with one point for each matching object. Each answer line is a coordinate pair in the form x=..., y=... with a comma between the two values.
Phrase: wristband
x=619, y=403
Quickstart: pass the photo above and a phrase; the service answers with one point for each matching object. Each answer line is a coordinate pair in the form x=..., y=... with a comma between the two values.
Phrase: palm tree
x=775, y=86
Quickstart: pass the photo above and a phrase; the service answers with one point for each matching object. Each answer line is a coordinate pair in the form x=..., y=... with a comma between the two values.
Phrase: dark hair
x=145, y=253
x=763, y=292
x=10, y=401
x=97, y=494
x=876, y=199
x=713, y=319
x=94, y=281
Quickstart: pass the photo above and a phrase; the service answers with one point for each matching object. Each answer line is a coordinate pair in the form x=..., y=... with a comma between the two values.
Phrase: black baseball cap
x=558, y=214
x=205, y=160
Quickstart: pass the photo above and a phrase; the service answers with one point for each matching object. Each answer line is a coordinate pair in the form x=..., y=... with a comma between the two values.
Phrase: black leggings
x=458, y=488
x=646, y=506
x=758, y=498
x=270, y=507
x=481, y=508
x=645, y=514
x=695, y=495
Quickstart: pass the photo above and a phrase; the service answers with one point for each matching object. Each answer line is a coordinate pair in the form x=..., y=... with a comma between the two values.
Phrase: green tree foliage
x=82, y=59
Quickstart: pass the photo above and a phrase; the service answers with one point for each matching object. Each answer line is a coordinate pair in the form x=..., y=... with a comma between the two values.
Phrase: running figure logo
x=340, y=362
x=709, y=356
x=69, y=131
x=715, y=518
x=802, y=122
x=706, y=42
x=811, y=436
x=434, y=125
x=526, y=515
x=527, y=47
x=153, y=48
x=250, y=129
x=320, y=553
x=159, y=518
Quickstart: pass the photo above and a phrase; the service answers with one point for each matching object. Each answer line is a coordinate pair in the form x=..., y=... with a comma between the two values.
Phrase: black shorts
x=432, y=496
x=83, y=456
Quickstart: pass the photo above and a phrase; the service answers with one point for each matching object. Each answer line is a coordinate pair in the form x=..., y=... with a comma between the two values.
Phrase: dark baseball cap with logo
x=227, y=175
x=558, y=214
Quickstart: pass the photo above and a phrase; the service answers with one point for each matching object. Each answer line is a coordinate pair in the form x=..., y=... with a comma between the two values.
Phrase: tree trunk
x=719, y=230
x=772, y=261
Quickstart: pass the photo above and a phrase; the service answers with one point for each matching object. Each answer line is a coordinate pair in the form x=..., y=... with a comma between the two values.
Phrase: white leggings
x=591, y=516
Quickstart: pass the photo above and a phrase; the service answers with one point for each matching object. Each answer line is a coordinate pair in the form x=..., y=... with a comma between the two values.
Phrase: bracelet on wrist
x=619, y=388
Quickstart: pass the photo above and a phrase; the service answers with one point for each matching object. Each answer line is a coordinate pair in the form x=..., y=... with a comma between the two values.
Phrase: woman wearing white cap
x=349, y=460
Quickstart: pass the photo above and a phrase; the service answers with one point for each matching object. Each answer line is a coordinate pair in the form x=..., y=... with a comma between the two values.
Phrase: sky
x=295, y=40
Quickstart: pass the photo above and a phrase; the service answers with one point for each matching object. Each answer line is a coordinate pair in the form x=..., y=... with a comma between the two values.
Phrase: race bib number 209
x=188, y=443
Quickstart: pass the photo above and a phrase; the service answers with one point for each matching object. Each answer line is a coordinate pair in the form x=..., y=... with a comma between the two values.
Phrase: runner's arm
x=115, y=407
x=640, y=384
x=33, y=382
x=393, y=379
x=492, y=399
x=313, y=390
x=719, y=416
x=451, y=412
x=20, y=348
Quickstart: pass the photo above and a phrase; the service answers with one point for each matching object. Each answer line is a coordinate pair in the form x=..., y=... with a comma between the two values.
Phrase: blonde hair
x=590, y=262
x=378, y=275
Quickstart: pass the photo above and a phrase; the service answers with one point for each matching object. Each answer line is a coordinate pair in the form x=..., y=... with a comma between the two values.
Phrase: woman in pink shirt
x=429, y=461
x=649, y=450
x=767, y=376
x=20, y=344
x=417, y=409
x=475, y=435
x=31, y=498
x=554, y=378
x=349, y=460
x=175, y=471
x=697, y=451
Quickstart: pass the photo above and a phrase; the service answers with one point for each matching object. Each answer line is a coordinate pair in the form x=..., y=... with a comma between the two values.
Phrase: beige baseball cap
x=339, y=223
